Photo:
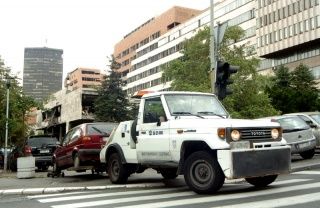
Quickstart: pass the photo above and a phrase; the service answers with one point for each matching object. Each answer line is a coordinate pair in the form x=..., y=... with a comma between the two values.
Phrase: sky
x=86, y=30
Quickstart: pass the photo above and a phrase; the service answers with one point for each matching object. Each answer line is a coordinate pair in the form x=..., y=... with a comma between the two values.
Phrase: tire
x=116, y=170
x=169, y=173
x=262, y=181
x=203, y=173
x=307, y=154
x=76, y=161
x=133, y=130
x=55, y=168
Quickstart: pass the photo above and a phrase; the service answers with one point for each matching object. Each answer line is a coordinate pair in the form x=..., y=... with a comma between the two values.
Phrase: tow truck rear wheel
x=169, y=173
x=203, y=173
x=116, y=170
x=262, y=181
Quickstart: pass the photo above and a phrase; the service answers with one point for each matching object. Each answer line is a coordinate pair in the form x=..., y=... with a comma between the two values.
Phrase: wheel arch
x=189, y=147
x=115, y=148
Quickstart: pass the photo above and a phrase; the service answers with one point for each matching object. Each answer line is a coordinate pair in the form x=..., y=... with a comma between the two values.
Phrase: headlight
x=235, y=135
x=275, y=133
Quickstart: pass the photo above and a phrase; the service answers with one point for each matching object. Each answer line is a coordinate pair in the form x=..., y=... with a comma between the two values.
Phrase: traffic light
x=224, y=70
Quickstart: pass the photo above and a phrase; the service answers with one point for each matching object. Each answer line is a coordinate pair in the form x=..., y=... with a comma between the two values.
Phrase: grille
x=248, y=134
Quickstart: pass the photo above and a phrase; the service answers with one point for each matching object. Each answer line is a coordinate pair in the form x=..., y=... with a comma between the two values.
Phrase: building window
x=312, y=25
x=290, y=31
x=318, y=21
x=306, y=25
x=300, y=27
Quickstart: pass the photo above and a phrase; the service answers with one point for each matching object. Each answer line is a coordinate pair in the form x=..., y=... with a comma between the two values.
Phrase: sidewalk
x=40, y=184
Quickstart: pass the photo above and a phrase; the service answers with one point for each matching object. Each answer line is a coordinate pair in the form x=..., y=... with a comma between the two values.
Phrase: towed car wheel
x=55, y=169
x=116, y=170
x=76, y=161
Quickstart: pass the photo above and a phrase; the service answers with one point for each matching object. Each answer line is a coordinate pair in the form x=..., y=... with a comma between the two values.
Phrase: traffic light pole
x=213, y=62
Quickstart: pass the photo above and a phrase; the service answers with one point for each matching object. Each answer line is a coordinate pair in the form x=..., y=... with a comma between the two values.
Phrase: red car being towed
x=80, y=148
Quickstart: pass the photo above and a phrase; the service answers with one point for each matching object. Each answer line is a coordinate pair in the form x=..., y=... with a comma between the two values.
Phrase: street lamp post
x=7, y=120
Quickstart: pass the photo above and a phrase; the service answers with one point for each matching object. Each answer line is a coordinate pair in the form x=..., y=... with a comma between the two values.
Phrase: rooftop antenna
x=46, y=42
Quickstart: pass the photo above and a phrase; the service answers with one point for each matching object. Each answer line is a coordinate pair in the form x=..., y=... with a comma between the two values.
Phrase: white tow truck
x=191, y=134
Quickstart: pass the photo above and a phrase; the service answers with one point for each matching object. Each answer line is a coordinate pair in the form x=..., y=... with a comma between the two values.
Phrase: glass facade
x=42, y=73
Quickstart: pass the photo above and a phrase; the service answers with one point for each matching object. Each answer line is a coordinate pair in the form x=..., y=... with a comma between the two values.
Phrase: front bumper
x=246, y=163
x=302, y=146
x=43, y=160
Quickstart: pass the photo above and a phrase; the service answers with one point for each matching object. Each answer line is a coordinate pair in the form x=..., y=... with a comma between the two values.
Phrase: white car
x=298, y=135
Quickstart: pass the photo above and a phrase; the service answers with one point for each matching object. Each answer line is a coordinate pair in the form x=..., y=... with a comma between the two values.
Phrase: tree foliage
x=190, y=72
x=248, y=99
x=19, y=105
x=294, y=91
x=112, y=103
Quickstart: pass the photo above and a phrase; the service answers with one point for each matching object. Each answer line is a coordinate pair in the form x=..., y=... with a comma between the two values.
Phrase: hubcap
x=115, y=168
x=201, y=173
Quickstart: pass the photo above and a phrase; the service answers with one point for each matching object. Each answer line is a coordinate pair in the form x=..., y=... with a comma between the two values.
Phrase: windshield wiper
x=186, y=113
x=210, y=113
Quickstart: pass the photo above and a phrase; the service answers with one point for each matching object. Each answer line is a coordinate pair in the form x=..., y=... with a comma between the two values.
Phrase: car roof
x=175, y=93
x=41, y=136
x=278, y=117
x=304, y=113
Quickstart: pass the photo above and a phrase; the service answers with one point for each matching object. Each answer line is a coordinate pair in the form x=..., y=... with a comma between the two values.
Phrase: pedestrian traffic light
x=224, y=71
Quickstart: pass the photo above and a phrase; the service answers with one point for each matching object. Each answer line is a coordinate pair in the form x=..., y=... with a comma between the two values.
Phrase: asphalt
x=41, y=184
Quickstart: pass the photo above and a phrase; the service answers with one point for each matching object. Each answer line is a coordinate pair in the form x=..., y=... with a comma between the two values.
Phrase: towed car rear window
x=39, y=141
x=100, y=129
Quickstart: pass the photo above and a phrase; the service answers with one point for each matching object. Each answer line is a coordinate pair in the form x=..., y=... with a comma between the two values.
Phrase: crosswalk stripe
x=271, y=203
x=216, y=198
x=307, y=172
x=122, y=200
x=90, y=196
x=53, y=195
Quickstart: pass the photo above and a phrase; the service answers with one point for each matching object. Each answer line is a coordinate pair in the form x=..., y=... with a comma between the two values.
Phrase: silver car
x=298, y=135
x=313, y=119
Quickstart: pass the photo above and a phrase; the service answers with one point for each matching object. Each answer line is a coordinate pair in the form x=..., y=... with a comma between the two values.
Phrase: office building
x=125, y=50
x=83, y=78
x=281, y=32
x=42, y=72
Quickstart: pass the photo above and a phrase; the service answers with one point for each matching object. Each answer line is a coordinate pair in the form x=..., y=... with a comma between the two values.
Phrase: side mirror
x=312, y=125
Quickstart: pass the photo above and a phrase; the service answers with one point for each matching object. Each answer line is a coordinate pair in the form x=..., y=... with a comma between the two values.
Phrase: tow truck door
x=153, y=127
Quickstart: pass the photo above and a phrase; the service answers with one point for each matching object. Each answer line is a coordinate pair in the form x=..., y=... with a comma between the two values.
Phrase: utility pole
x=7, y=120
x=213, y=64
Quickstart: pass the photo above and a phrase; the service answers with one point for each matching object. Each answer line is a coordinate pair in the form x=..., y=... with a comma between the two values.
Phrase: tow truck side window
x=153, y=110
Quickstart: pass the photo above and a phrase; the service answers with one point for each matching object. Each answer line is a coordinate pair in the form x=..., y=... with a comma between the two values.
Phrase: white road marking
x=216, y=198
x=91, y=196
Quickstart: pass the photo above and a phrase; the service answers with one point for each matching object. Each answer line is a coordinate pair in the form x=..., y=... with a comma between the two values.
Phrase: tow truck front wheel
x=116, y=170
x=262, y=181
x=203, y=173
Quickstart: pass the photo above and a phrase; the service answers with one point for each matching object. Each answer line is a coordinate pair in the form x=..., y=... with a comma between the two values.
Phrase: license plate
x=304, y=145
x=44, y=151
x=240, y=145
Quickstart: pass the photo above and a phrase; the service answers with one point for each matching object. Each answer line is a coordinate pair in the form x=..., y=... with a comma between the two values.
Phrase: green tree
x=112, y=103
x=190, y=72
x=19, y=105
x=294, y=91
x=248, y=99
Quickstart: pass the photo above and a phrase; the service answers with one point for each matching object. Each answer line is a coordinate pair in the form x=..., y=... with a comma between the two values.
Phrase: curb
x=31, y=191
x=305, y=167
